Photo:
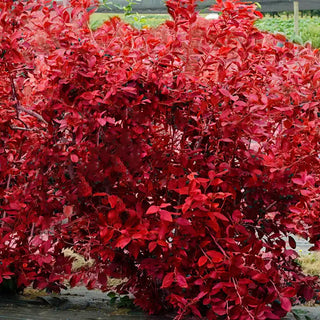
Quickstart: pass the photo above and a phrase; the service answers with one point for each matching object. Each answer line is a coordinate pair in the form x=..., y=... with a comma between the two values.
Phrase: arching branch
x=19, y=108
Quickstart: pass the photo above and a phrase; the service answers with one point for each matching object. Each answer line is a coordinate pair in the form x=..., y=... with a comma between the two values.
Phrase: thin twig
x=217, y=244
x=18, y=105
x=8, y=182
x=21, y=128
x=71, y=171
x=236, y=287
x=26, y=126
x=270, y=206
x=32, y=230
x=32, y=113
x=7, y=188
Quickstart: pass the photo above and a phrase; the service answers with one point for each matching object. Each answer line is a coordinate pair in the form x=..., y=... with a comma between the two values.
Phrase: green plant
x=300, y=315
x=108, y=4
x=309, y=28
x=137, y=20
x=311, y=33
x=134, y=18
x=121, y=301
x=129, y=7
x=127, y=10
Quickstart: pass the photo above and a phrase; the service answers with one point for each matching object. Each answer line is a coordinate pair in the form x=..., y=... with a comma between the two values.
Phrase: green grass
x=309, y=27
x=137, y=20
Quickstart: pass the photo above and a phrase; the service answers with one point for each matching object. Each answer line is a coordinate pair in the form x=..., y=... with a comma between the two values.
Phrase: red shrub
x=182, y=157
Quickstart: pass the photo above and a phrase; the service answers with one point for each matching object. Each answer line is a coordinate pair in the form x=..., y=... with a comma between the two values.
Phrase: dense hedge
x=182, y=158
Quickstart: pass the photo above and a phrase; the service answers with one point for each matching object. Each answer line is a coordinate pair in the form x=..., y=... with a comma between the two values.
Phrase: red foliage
x=181, y=157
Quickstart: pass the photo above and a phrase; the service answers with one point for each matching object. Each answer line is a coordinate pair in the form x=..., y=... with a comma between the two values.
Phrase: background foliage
x=309, y=26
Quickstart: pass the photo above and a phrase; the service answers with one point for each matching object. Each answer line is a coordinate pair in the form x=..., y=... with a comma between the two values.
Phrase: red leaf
x=74, y=158
x=183, y=222
x=289, y=292
x=316, y=77
x=92, y=61
x=295, y=209
x=106, y=234
x=84, y=188
x=226, y=93
x=99, y=194
x=167, y=280
x=285, y=304
x=220, y=216
x=75, y=279
x=153, y=209
x=200, y=295
x=152, y=246
x=67, y=210
x=292, y=242
x=259, y=14
x=110, y=120
x=166, y=215
x=306, y=193
x=299, y=181
x=181, y=281
x=217, y=181
x=224, y=50
x=215, y=256
x=261, y=277
x=122, y=242
x=102, y=121
x=170, y=24
x=130, y=90
x=202, y=260
x=113, y=200
x=196, y=311
x=165, y=205
x=306, y=292
x=3, y=164
x=87, y=96
x=213, y=224
x=162, y=243
x=7, y=274
x=87, y=75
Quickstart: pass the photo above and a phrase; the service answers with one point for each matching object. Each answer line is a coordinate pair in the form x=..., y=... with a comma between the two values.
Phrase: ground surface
x=77, y=303
x=81, y=304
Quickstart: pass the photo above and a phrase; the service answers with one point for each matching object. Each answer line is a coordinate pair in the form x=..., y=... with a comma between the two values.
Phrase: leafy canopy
x=182, y=158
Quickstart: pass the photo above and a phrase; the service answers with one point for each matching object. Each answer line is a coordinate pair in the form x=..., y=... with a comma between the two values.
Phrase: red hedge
x=182, y=157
